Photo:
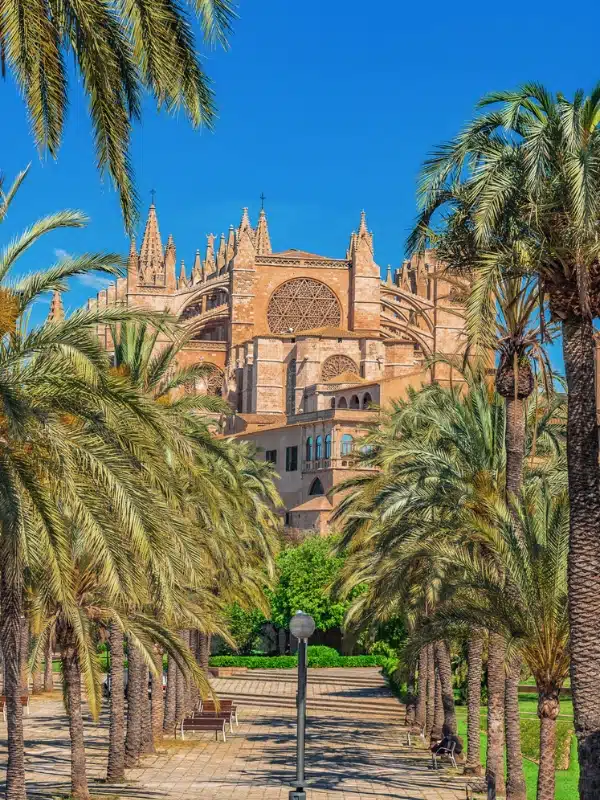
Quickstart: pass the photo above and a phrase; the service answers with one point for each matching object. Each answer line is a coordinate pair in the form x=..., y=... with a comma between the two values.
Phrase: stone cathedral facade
x=304, y=347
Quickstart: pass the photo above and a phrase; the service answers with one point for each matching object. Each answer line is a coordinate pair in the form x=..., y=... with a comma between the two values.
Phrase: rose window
x=336, y=365
x=301, y=305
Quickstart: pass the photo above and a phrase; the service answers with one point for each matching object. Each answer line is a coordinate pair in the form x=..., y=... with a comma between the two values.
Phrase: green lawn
x=566, y=780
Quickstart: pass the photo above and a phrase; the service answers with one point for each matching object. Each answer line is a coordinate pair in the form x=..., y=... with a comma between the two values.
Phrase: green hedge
x=289, y=662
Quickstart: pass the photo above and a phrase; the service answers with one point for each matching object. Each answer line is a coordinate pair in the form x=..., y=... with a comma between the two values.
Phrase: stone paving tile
x=356, y=747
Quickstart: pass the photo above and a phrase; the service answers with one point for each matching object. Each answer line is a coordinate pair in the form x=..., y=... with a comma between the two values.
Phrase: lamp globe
x=302, y=625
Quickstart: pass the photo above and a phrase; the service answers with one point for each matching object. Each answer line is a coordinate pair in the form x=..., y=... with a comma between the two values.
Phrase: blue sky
x=327, y=107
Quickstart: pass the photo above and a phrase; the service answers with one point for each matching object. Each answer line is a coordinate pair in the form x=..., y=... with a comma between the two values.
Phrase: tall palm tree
x=440, y=450
x=120, y=52
x=532, y=157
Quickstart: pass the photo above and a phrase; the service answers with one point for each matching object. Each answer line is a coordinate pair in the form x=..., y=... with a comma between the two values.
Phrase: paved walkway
x=356, y=747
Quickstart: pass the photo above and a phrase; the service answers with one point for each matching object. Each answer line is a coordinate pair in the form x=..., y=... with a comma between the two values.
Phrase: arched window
x=354, y=402
x=366, y=400
x=347, y=445
x=328, y=446
x=316, y=487
x=343, y=403
x=309, y=448
x=319, y=448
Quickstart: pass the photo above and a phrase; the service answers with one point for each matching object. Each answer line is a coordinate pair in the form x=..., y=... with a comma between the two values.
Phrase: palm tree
x=439, y=450
x=531, y=157
x=523, y=597
x=55, y=390
x=120, y=53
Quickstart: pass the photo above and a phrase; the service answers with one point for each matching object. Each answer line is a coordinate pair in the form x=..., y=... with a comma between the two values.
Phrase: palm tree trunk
x=515, y=777
x=11, y=612
x=496, y=688
x=411, y=698
x=438, y=709
x=420, y=709
x=158, y=700
x=37, y=684
x=584, y=548
x=203, y=650
x=187, y=686
x=515, y=444
x=116, y=741
x=147, y=737
x=180, y=697
x=72, y=678
x=548, y=708
x=442, y=654
x=48, y=674
x=134, y=706
x=194, y=691
x=24, y=655
x=171, y=697
x=430, y=712
x=475, y=661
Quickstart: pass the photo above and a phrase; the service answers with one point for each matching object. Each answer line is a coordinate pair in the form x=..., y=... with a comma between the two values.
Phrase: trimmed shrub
x=290, y=662
x=321, y=651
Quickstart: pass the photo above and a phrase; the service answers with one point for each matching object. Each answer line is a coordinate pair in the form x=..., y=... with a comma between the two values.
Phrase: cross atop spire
x=262, y=201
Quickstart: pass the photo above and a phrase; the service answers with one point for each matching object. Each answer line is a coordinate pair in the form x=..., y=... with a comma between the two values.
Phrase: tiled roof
x=318, y=503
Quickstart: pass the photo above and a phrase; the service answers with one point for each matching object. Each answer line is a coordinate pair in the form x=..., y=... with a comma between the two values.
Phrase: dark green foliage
x=305, y=574
x=244, y=627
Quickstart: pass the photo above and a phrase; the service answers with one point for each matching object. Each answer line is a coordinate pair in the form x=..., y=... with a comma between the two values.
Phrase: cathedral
x=304, y=347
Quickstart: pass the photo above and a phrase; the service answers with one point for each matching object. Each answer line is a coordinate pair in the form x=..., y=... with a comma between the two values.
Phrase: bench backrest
x=24, y=699
x=199, y=722
x=210, y=705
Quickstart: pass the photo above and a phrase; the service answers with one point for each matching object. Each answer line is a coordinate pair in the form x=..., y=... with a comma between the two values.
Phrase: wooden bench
x=24, y=702
x=224, y=705
x=215, y=724
x=226, y=715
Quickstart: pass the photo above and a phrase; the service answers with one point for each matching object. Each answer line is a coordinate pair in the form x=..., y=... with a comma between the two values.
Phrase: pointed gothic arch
x=316, y=488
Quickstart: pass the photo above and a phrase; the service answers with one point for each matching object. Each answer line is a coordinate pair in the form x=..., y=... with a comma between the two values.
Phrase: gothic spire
x=230, y=249
x=388, y=277
x=209, y=261
x=171, y=263
x=151, y=252
x=221, y=253
x=351, y=244
x=262, y=239
x=132, y=263
x=197, y=269
x=363, y=234
x=182, y=283
x=245, y=222
x=57, y=312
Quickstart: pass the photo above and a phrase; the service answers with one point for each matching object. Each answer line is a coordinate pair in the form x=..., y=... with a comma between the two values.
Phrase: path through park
x=356, y=747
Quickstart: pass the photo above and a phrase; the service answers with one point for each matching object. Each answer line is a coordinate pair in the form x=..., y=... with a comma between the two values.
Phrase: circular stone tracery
x=336, y=365
x=301, y=305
